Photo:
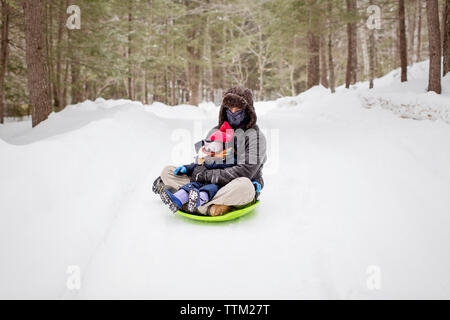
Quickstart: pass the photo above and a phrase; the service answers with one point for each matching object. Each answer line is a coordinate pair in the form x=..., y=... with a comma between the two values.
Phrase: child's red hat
x=224, y=134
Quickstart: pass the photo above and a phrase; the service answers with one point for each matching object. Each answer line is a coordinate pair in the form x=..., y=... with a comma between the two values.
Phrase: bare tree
x=434, y=39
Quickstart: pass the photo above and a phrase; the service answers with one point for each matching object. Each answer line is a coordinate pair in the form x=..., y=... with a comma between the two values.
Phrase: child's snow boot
x=169, y=199
x=197, y=198
x=194, y=200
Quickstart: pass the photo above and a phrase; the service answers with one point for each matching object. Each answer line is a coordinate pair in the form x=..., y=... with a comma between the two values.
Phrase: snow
x=350, y=187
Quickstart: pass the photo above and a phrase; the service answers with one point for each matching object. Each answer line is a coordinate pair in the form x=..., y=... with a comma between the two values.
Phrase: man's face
x=234, y=109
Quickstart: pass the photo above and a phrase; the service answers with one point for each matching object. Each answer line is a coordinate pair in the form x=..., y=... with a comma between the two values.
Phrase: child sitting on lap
x=212, y=155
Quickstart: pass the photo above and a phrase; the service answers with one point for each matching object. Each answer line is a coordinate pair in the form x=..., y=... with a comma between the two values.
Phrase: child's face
x=213, y=146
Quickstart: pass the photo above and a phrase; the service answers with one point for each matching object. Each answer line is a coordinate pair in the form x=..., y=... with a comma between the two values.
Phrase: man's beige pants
x=236, y=193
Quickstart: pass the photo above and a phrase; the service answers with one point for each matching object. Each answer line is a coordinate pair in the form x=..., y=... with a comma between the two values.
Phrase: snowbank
x=408, y=99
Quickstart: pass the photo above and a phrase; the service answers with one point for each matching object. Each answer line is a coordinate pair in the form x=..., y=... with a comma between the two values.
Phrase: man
x=241, y=183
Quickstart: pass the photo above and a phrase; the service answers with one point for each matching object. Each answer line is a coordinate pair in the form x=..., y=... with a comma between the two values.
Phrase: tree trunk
x=434, y=39
x=332, y=80
x=402, y=34
x=352, y=62
x=446, y=50
x=194, y=75
x=209, y=54
x=74, y=72
x=372, y=61
x=172, y=92
x=145, y=86
x=131, y=94
x=261, y=64
x=75, y=69
x=419, y=31
x=323, y=62
x=331, y=63
x=65, y=83
x=313, y=70
x=260, y=80
x=38, y=84
x=4, y=54
x=48, y=40
x=412, y=18
x=193, y=67
x=291, y=80
x=364, y=38
x=59, y=72
x=442, y=24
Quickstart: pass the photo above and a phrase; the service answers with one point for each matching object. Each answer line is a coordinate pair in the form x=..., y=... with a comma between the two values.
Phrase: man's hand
x=180, y=170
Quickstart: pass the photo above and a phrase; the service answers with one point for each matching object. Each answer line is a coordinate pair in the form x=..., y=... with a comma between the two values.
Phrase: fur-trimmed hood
x=241, y=98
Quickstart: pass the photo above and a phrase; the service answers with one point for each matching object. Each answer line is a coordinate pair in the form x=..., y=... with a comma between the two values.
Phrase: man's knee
x=242, y=182
x=238, y=192
x=166, y=172
x=244, y=186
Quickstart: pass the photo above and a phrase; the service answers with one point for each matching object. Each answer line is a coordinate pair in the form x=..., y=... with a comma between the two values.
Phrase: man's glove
x=257, y=186
x=180, y=169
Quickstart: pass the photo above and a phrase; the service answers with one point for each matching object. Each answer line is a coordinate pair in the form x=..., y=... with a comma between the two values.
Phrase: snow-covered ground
x=356, y=203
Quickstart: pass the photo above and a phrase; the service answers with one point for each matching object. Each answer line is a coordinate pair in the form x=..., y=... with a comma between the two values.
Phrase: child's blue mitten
x=180, y=169
x=257, y=186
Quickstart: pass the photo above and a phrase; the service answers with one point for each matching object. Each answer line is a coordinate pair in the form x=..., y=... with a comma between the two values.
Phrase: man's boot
x=218, y=210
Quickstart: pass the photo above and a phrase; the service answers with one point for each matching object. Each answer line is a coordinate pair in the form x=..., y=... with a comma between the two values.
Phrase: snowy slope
x=347, y=187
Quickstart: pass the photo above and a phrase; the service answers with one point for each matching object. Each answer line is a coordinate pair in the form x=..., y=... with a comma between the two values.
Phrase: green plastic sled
x=228, y=216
